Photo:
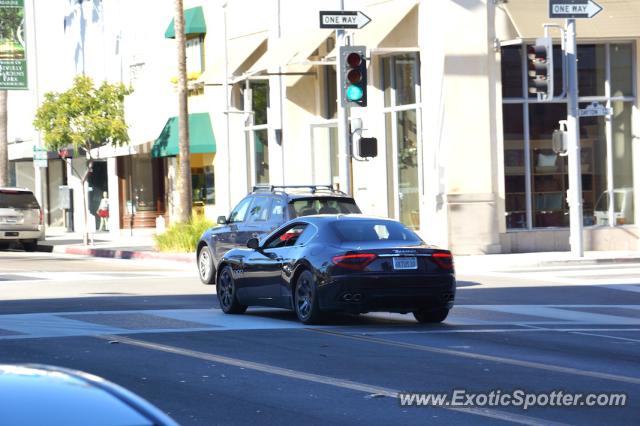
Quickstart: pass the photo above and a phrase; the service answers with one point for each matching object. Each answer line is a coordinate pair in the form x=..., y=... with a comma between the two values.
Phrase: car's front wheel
x=430, y=316
x=205, y=265
x=306, y=299
x=226, y=290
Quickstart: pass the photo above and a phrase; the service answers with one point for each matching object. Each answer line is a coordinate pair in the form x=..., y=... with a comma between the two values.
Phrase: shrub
x=182, y=237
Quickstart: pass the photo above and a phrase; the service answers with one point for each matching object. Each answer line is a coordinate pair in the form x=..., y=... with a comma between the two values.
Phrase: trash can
x=197, y=210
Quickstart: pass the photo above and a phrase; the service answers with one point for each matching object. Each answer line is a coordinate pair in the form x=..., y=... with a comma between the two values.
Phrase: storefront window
x=400, y=81
x=512, y=81
x=257, y=130
x=203, y=185
x=261, y=155
x=601, y=150
x=514, y=166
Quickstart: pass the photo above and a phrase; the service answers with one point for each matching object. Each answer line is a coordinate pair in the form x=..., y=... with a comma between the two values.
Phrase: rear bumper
x=19, y=235
x=387, y=294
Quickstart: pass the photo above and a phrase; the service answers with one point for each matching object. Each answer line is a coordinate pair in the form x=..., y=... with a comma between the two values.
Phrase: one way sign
x=343, y=19
x=569, y=9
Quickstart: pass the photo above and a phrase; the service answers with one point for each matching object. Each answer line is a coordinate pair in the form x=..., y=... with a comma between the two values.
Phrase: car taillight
x=356, y=262
x=41, y=217
x=443, y=260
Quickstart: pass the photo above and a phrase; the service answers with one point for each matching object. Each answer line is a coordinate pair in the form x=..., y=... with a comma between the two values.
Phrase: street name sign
x=594, y=109
x=570, y=9
x=343, y=19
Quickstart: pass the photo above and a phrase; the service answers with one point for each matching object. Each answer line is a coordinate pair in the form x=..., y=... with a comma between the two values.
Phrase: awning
x=193, y=23
x=619, y=18
x=242, y=52
x=293, y=49
x=201, y=139
x=394, y=24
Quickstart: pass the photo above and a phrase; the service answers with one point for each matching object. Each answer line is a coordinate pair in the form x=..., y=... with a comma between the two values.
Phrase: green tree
x=85, y=117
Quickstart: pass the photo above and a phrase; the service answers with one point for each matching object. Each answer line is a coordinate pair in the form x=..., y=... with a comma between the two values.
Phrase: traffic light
x=540, y=60
x=353, y=75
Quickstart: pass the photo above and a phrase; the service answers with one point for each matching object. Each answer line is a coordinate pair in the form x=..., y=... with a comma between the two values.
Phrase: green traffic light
x=354, y=93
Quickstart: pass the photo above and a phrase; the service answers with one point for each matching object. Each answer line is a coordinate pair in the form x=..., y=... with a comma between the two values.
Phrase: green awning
x=193, y=23
x=201, y=140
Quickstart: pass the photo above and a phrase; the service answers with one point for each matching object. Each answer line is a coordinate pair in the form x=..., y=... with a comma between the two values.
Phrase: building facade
x=465, y=153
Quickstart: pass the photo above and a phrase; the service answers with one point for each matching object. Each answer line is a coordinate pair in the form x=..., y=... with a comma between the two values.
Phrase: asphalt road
x=154, y=329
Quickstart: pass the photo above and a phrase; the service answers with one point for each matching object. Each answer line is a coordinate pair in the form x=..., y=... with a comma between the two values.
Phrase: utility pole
x=573, y=130
x=344, y=136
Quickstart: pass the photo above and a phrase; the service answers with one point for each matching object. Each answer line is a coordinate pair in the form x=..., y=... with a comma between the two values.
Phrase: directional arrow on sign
x=573, y=8
x=342, y=19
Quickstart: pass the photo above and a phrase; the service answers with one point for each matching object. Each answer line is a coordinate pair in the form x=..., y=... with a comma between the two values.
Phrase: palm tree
x=184, y=166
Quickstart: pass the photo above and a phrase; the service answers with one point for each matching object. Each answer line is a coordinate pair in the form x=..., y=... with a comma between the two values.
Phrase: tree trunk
x=184, y=163
x=85, y=208
x=4, y=142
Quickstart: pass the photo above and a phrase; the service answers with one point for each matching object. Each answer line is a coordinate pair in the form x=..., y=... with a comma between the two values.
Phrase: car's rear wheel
x=306, y=299
x=430, y=316
x=226, y=290
x=30, y=246
x=205, y=265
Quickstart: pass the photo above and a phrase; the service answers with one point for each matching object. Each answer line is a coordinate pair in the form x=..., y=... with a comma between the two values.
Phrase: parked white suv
x=20, y=218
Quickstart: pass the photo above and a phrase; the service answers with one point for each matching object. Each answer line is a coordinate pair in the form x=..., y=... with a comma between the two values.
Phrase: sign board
x=570, y=9
x=594, y=109
x=343, y=19
x=39, y=157
x=13, y=48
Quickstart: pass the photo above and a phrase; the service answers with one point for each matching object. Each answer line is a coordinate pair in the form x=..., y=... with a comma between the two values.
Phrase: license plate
x=405, y=263
x=9, y=219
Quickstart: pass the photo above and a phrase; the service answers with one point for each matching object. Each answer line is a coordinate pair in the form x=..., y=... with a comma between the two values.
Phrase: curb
x=509, y=267
x=127, y=254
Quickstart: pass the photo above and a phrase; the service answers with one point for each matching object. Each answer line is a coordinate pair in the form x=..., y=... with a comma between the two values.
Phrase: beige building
x=464, y=151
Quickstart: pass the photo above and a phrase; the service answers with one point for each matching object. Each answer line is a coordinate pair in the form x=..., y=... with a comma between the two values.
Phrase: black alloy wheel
x=226, y=290
x=305, y=299
x=430, y=316
x=205, y=265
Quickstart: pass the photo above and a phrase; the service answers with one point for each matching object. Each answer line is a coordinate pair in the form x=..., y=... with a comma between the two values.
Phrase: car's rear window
x=309, y=206
x=17, y=200
x=372, y=230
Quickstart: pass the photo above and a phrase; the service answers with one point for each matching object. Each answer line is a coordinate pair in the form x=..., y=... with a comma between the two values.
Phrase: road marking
x=316, y=378
x=491, y=358
x=607, y=336
x=496, y=330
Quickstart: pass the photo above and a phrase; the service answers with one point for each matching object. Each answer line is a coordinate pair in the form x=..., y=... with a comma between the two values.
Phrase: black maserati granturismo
x=328, y=263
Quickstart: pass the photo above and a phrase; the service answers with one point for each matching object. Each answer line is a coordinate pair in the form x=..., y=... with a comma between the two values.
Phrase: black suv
x=262, y=211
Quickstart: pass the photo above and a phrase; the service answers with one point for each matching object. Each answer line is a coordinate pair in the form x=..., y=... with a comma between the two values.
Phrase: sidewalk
x=125, y=244
x=139, y=245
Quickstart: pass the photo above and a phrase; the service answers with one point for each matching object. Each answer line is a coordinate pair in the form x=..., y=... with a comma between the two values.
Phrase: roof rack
x=312, y=188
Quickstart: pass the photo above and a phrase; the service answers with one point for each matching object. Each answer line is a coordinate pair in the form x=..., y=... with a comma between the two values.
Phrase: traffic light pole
x=344, y=136
x=573, y=129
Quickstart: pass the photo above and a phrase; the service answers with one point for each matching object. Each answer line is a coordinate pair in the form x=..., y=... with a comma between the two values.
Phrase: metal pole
x=573, y=128
x=225, y=89
x=344, y=137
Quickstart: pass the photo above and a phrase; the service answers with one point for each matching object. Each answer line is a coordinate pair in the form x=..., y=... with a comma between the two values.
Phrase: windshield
x=373, y=230
x=17, y=200
x=309, y=206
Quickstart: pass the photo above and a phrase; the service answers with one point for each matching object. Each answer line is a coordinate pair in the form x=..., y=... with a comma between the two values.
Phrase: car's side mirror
x=222, y=220
x=253, y=244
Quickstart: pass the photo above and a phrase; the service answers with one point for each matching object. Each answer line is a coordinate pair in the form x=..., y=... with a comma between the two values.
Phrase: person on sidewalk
x=103, y=212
